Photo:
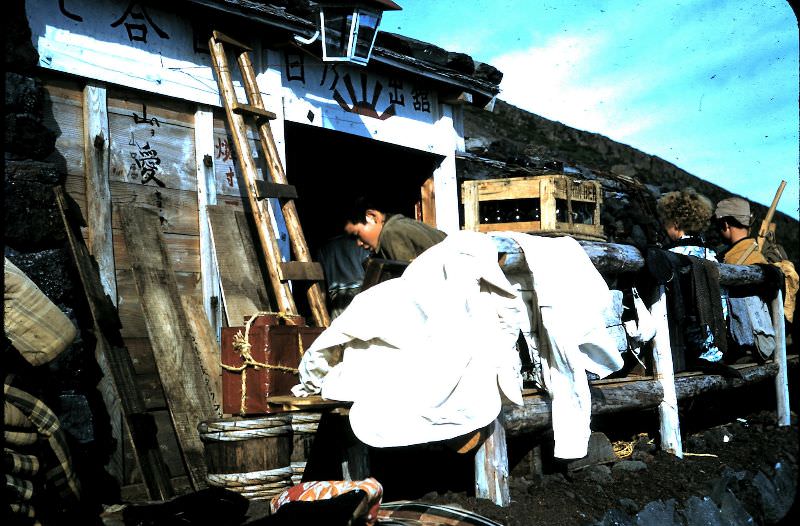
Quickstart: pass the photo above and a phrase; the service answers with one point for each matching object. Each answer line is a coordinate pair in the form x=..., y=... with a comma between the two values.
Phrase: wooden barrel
x=249, y=455
x=304, y=428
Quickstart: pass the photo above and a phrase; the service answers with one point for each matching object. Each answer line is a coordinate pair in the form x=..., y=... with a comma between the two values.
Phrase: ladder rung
x=243, y=109
x=301, y=270
x=222, y=37
x=266, y=189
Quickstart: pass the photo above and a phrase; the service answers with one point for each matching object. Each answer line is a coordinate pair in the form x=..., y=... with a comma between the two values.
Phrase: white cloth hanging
x=566, y=311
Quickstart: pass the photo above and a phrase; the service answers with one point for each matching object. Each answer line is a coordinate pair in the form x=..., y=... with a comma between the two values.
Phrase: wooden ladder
x=280, y=272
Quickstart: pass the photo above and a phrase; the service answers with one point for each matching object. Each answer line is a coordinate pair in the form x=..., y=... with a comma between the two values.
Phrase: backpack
x=776, y=255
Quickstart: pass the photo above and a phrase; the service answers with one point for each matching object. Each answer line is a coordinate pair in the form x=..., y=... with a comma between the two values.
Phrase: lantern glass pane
x=337, y=24
x=366, y=30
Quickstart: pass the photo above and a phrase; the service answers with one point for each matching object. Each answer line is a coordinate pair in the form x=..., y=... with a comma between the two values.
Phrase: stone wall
x=34, y=240
x=523, y=139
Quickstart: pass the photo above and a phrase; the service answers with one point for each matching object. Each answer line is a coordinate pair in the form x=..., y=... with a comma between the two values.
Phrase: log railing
x=491, y=466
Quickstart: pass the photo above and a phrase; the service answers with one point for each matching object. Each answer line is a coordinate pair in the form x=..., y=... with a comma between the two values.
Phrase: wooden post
x=491, y=466
x=445, y=183
x=428, y=202
x=469, y=196
x=207, y=196
x=96, y=142
x=665, y=375
x=782, y=378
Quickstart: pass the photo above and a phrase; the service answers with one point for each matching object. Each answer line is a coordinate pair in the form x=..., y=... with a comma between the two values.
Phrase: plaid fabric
x=13, y=417
x=35, y=326
x=21, y=489
x=20, y=438
x=409, y=513
x=22, y=510
x=19, y=464
x=55, y=459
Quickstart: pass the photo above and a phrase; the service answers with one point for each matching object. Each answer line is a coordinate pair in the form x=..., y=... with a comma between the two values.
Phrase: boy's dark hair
x=356, y=211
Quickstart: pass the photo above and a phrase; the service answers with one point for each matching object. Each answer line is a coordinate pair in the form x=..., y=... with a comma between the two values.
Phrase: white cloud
x=555, y=81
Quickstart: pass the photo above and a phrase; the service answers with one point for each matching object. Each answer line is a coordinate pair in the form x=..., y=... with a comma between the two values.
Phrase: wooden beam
x=428, y=202
x=782, y=377
x=615, y=258
x=175, y=352
x=611, y=396
x=96, y=143
x=491, y=466
x=670, y=427
x=207, y=196
x=118, y=387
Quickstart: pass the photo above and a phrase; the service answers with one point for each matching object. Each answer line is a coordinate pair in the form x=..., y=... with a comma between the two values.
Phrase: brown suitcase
x=278, y=347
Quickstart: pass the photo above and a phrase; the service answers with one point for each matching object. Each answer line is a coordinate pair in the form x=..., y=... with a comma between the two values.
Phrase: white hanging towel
x=571, y=296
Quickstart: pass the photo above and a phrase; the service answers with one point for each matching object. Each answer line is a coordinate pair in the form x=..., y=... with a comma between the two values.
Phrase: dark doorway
x=330, y=169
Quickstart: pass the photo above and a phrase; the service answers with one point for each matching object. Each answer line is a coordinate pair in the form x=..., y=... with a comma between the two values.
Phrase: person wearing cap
x=734, y=219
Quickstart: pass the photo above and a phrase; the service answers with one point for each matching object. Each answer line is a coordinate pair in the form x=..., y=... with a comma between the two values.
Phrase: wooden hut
x=151, y=163
x=172, y=259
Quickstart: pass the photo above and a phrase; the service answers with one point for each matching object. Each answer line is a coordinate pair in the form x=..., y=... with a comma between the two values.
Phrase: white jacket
x=426, y=355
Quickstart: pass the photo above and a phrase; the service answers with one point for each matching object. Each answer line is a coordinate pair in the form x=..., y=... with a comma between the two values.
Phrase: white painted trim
x=445, y=184
x=207, y=195
x=96, y=144
x=664, y=371
x=782, y=378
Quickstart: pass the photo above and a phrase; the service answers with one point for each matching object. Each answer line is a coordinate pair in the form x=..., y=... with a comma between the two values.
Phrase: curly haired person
x=685, y=215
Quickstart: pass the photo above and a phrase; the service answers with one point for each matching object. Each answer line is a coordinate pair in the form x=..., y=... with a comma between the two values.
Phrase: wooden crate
x=546, y=204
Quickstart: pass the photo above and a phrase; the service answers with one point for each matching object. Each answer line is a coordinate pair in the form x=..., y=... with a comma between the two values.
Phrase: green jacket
x=404, y=239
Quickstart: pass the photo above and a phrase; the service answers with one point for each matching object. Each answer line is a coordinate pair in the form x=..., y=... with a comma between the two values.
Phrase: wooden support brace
x=281, y=191
x=301, y=270
x=782, y=378
x=665, y=375
x=258, y=113
x=491, y=466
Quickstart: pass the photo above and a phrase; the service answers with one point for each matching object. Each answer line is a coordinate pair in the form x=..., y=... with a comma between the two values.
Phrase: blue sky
x=709, y=85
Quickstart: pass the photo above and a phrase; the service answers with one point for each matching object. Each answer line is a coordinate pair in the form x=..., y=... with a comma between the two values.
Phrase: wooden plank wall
x=152, y=163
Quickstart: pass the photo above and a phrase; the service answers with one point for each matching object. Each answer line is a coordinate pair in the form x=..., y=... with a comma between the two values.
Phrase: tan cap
x=735, y=207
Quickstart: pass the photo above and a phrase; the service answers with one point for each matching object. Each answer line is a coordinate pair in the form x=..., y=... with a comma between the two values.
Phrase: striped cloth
x=55, y=458
x=19, y=464
x=329, y=489
x=35, y=326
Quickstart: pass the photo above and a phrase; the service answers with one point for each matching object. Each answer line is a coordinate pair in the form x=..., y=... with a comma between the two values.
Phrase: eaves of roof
x=279, y=17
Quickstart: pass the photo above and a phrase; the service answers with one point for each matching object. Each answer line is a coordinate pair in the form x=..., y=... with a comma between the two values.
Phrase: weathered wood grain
x=208, y=350
x=607, y=398
x=243, y=289
x=174, y=350
x=207, y=195
x=117, y=387
x=98, y=195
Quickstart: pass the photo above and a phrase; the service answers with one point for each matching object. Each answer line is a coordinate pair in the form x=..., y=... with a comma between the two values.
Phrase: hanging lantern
x=349, y=28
